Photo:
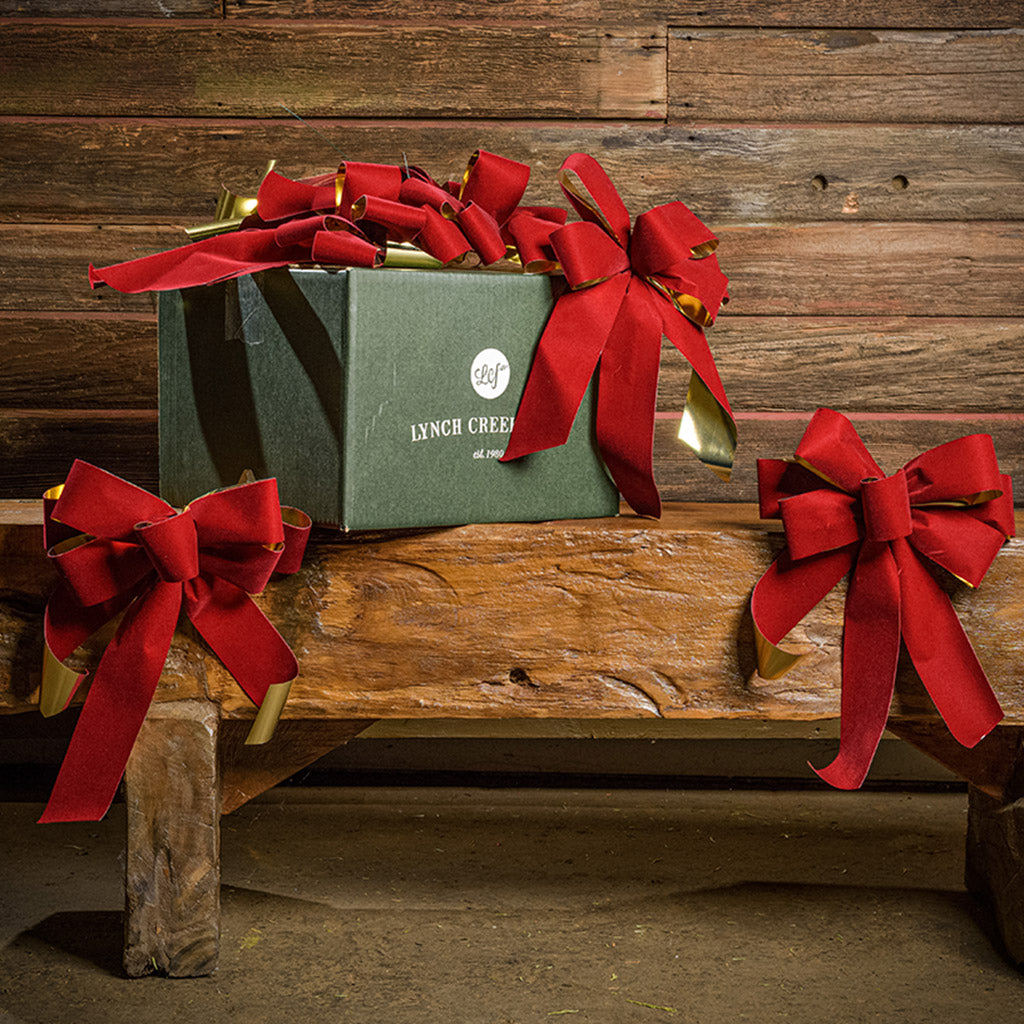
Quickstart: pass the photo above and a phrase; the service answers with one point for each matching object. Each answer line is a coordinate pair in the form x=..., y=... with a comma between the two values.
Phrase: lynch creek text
x=453, y=427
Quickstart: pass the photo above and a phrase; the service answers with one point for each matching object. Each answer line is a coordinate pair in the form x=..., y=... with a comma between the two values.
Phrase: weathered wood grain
x=848, y=13
x=172, y=852
x=873, y=269
x=995, y=840
x=818, y=269
x=916, y=365
x=219, y=69
x=168, y=171
x=62, y=254
x=606, y=617
x=872, y=364
x=846, y=75
x=802, y=13
x=111, y=9
x=22, y=512
x=586, y=619
x=40, y=445
x=81, y=361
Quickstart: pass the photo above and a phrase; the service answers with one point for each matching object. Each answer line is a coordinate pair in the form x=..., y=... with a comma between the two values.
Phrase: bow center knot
x=588, y=254
x=172, y=546
x=886, y=506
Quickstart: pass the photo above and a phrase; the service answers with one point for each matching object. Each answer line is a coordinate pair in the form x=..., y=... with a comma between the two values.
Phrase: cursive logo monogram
x=490, y=373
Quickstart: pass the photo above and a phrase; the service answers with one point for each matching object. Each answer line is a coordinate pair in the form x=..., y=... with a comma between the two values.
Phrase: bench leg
x=172, y=864
x=995, y=856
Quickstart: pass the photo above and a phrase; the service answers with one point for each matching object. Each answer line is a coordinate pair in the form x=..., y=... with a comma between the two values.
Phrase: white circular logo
x=489, y=373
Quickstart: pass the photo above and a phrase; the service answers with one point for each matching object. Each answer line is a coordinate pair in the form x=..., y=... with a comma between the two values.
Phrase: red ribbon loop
x=949, y=506
x=441, y=237
x=886, y=506
x=346, y=246
x=818, y=521
x=530, y=229
x=280, y=197
x=491, y=190
x=405, y=222
x=420, y=192
x=208, y=558
x=495, y=183
x=593, y=196
x=667, y=237
x=482, y=232
x=360, y=179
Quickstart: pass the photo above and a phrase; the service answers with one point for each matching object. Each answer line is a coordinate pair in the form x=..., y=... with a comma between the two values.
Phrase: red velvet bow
x=629, y=287
x=950, y=506
x=134, y=553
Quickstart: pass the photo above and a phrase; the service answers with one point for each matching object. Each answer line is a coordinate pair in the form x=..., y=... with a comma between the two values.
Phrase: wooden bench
x=605, y=618
x=861, y=163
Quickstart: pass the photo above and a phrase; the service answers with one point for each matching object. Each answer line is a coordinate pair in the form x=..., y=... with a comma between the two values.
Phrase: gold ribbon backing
x=774, y=662
x=708, y=429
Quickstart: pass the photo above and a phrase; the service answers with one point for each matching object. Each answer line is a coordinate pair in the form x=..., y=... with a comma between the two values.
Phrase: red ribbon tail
x=566, y=356
x=871, y=648
x=240, y=635
x=942, y=654
x=792, y=587
x=211, y=259
x=626, y=399
x=115, y=707
x=67, y=624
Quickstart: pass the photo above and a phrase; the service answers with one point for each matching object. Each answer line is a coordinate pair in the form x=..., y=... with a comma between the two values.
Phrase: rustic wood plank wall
x=862, y=162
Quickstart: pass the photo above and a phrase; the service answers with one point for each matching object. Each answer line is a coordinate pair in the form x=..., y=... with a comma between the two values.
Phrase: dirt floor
x=458, y=906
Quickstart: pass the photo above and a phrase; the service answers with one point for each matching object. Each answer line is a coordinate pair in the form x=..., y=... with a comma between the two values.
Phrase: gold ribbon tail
x=708, y=429
x=270, y=711
x=774, y=662
x=409, y=257
x=58, y=684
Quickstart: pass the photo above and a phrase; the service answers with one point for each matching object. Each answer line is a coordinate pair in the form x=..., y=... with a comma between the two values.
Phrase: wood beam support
x=172, y=865
x=988, y=766
x=995, y=854
x=247, y=771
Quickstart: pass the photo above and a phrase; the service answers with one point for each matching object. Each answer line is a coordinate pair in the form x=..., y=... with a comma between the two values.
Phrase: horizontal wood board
x=144, y=170
x=227, y=69
x=847, y=13
x=596, y=618
x=232, y=68
x=163, y=9
x=846, y=75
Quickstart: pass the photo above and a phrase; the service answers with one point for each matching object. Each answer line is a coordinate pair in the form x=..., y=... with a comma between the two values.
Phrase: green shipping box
x=377, y=398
